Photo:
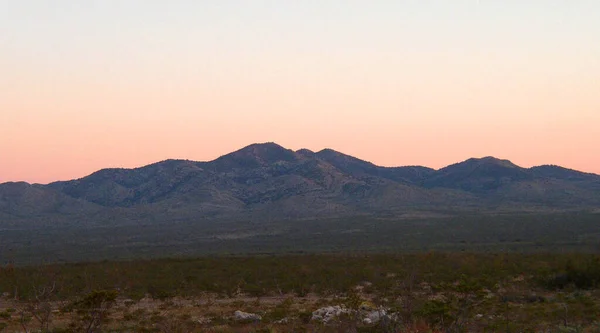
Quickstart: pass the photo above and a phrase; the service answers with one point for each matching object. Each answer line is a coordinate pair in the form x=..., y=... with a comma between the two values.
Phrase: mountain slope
x=127, y=187
x=19, y=199
x=585, y=180
x=359, y=168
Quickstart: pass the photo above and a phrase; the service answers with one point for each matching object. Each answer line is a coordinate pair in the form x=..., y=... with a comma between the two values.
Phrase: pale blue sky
x=55, y=27
x=461, y=78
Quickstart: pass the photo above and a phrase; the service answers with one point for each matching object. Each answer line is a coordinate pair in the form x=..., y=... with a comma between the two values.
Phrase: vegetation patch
x=426, y=292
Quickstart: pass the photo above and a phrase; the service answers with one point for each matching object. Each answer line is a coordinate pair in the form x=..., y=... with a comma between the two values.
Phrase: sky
x=86, y=85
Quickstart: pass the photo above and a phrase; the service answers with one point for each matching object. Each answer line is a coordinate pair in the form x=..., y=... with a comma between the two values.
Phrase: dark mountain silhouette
x=267, y=181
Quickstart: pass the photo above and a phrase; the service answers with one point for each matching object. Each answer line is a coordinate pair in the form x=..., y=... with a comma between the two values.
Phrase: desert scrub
x=280, y=311
x=92, y=311
x=449, y=291
x=580, y=274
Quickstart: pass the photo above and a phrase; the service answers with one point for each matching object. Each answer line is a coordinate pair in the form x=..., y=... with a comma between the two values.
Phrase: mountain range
x=267, y=181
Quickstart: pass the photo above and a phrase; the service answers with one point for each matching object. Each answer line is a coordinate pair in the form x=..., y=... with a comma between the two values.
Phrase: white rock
x=243, y=316
x=374, y=316
x=328, y=313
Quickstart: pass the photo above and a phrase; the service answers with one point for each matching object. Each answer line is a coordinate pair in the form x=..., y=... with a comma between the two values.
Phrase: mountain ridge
x=305, y=151
x=268, y=181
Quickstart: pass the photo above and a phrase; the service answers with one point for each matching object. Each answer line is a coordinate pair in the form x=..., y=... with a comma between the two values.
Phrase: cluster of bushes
x=581, y=274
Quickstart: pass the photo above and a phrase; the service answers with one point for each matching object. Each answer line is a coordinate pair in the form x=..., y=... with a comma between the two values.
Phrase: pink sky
x=75, y=98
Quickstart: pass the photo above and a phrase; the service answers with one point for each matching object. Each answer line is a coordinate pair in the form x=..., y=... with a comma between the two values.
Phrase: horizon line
x=296, y=151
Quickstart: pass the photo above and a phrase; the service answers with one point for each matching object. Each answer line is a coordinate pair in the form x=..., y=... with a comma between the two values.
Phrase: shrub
x=92, y=311
x=583, y=275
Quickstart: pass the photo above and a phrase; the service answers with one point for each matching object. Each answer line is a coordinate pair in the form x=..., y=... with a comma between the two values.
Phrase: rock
x=380, y=315
x=373, y=317
x=245, y=316
x=328, y=313
x=368, y=314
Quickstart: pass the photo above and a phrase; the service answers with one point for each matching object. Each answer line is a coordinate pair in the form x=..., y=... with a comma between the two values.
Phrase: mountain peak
x=479, y=174
x=305, y=152
x=256, y=155
x=493, y=160
x=487, y=163
x=268, y=152
x=263, y=145
x=329, y=151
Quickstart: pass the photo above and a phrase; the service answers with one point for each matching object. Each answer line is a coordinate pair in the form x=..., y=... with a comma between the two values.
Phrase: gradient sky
x=91, y=84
